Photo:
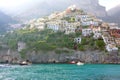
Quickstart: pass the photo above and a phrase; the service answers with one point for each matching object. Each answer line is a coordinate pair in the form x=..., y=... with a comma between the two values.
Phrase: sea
x=60, y=72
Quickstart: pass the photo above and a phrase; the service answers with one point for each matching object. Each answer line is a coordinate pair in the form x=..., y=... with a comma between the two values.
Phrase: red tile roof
x=115, y=33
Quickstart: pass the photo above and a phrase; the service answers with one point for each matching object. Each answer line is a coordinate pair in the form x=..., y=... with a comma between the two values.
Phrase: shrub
x=100, y=44
x=12, y=44
x=83, y=41
x=81, y=47
x=23, y=53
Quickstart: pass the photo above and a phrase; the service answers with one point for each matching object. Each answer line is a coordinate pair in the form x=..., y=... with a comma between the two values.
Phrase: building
x=108, y=40
x=86, y=32
x=54, y=25
x=95, y=29
x=39, y=25
x=113, y=26
x=115, y=33
x=104, y=27
x=111, y=48
x=71, y=27
x=77, y=40
x=97, y=35
x=117, y=41
x=87, y=20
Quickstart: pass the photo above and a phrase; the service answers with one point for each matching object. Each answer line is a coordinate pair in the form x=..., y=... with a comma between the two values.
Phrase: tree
x=100, y=44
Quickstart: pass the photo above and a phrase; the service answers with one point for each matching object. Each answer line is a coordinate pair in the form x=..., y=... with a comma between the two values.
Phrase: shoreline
x=60, y=63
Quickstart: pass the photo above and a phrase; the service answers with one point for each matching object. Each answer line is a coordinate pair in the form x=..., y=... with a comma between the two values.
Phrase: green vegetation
x=100, y=44
x=12, y=43
x=119, y=49
x=84, y=27
x=78, y=33
x=48, y=40
x=91, y=44
x=69, y=19
x=81, y=47
x=23, y=53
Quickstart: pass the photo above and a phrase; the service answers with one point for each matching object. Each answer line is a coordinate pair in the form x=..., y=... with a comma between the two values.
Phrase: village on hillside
x=74, y=19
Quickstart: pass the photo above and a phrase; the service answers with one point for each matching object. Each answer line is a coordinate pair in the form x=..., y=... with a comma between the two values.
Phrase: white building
x=71, y=27
x=54, y=25
x=113, y=25
x=111, y=47
x=108, y=39
x=86, y=20
x=37, y=25
x=40, y=25
x=97, y=32
x=86, y=32
x=97, y=35
x=77, y=40
x=69, y=30
x=117, y=41
x=96, y=29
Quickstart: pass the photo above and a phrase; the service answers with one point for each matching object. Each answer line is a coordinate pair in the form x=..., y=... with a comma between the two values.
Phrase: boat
x=80, y=63
x=72, y=62
x=25, y=63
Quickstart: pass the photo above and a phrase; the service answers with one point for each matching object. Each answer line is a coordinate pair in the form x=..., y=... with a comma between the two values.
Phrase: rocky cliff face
x=45, y=7
x=92, y=6
x=113, y=15
x=51, y=56
x=86, y=56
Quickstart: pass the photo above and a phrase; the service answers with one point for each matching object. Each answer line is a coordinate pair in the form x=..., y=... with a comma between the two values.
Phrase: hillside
x=46, y=47
x=4, y=21
x=60, y=37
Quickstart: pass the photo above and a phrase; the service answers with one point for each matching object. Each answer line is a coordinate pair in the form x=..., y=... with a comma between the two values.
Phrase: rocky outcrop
x=50, y=57
x=92, y=6
x=113, y=15
x=8, y=55
x=86, y=56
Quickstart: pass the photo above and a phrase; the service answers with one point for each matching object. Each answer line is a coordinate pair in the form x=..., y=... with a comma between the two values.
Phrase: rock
x=113, y=15
x=51, y=57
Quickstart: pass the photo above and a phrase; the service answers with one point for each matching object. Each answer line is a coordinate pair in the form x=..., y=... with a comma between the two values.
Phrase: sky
x=9, y=4
x=109, y=3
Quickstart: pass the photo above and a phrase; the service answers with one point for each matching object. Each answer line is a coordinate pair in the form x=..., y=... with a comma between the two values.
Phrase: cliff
x=113, y=15
x=48, y=46
x=50, y=57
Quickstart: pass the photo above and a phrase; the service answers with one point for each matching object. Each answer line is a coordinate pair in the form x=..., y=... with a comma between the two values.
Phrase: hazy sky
x=9, y=4
x=109, y=3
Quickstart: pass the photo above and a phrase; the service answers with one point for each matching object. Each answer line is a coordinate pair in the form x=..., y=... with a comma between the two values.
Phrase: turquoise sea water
x=60, y=72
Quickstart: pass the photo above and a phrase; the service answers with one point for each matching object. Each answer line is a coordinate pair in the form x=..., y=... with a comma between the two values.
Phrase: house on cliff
x=111, y=48
x=115, y=33
x=54, y=25
x=113, y=26
x=86, y=32
x=77, y=40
